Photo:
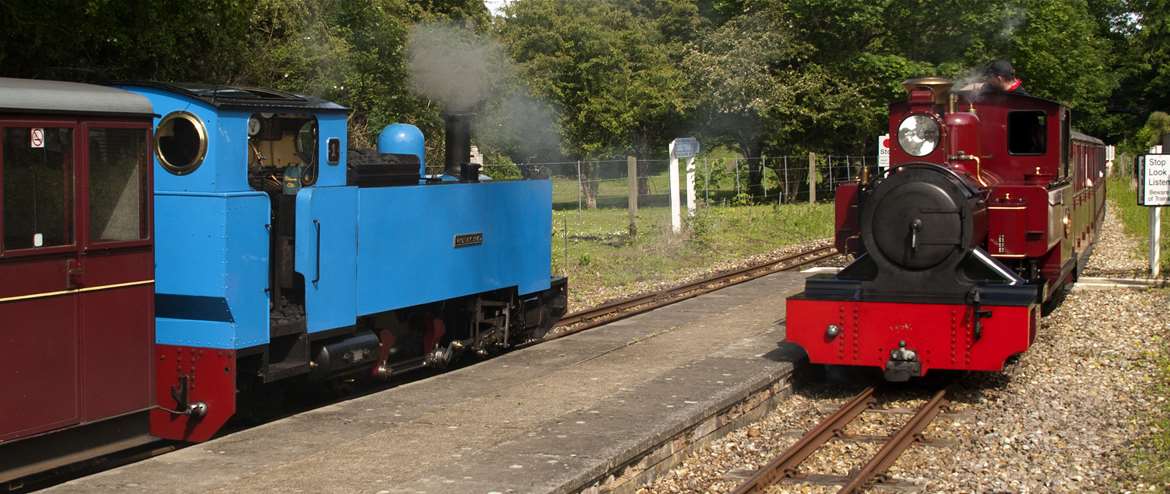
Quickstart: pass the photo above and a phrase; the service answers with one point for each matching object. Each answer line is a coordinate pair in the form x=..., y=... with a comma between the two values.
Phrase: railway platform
x=598, y=410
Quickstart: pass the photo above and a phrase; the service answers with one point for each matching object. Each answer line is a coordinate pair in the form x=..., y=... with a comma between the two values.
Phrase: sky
x=496, y=6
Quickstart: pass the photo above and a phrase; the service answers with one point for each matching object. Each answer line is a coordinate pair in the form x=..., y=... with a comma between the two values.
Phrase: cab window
x=1027, y=132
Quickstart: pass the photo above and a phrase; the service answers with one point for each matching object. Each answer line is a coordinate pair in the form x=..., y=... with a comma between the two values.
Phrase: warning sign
x=1155, y=180
x=36, y=138
x=883, y=153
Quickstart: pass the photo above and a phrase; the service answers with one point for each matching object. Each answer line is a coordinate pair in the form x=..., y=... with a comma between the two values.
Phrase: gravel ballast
x=1066, y=417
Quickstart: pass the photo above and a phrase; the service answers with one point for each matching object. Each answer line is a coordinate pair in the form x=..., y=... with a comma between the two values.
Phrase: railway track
x=787, y=465
x=570, y=324
x=638, y=304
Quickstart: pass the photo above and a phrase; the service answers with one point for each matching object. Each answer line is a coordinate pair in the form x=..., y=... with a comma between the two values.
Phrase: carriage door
x=116, y=275
x=39, y=256
x=76, y=267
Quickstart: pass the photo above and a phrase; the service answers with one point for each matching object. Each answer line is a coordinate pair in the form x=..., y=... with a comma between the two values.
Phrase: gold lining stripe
x=1007, y=207
x=75, y=290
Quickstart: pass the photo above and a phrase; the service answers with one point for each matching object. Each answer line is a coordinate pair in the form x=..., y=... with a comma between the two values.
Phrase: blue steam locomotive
x=281, y=253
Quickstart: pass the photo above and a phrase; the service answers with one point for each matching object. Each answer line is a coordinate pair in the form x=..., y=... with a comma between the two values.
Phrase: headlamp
x=918, y=135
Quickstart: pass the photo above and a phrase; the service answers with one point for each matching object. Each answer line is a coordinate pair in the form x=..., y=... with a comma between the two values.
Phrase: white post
x=691, y=186
x=1155, y=237
x=675, y=213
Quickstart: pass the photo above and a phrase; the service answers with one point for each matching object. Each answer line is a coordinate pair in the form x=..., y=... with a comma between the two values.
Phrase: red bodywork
x=187, y=376
x=77, y=312
x=1044, y=200
x=941, y=334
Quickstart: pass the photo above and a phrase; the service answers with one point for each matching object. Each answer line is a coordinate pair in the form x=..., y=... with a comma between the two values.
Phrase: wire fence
x=594, y=224
x=604, y=184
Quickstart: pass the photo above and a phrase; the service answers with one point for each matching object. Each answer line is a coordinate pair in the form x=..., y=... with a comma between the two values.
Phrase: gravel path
x=1116, y=254
x=1064, y=418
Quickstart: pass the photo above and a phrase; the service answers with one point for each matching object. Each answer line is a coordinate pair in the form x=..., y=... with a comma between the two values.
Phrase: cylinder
x=354, y=352
x=458, y=150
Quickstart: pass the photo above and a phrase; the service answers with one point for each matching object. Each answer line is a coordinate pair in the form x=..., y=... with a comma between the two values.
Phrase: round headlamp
x=918, y=135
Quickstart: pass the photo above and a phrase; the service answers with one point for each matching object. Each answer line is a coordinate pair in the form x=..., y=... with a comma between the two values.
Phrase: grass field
x=601, y=255
x=1123, y=196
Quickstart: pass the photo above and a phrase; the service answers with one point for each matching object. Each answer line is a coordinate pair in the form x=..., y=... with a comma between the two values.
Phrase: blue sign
x=685, y=147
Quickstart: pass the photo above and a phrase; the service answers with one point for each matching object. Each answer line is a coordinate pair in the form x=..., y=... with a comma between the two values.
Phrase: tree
x=742, y=70
x=1058, y=36
x=605, y=70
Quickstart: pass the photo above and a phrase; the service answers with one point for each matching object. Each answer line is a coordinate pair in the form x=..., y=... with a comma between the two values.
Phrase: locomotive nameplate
x=468, y=239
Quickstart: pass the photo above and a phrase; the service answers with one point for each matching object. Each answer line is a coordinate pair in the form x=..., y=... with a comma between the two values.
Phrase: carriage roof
x=58, y=97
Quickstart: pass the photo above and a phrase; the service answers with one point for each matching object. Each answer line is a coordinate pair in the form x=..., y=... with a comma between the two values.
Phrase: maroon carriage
x=989, y=209
x=76, y=273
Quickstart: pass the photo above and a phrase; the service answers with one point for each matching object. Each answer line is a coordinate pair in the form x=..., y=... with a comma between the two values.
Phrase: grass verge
x=1123, y=196
x=593, y=247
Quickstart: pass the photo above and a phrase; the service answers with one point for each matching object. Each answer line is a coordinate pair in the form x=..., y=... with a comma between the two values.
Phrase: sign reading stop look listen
x=1154, y=186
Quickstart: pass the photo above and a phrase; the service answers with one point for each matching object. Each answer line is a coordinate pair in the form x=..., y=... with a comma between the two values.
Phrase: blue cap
x=403, y=139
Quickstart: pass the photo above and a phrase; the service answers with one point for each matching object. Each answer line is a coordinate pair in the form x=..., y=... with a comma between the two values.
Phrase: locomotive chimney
x=458, y=148
x=924, y=89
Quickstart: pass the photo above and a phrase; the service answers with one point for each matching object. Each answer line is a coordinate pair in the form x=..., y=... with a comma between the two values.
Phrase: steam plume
x=454, y=66
x=464, y=71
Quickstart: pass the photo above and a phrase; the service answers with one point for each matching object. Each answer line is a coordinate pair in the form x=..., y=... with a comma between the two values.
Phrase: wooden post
x=812, y=178
x=632, y=170
x=580, y=186
x=764, y=176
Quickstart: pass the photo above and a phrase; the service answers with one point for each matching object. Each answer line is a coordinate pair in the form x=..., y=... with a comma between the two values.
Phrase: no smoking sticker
x=37, y=138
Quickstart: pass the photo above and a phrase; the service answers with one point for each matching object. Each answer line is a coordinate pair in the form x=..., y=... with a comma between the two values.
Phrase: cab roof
x=243, y=98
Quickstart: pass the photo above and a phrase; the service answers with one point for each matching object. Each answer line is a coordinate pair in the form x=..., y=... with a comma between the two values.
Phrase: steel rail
x=620, y=309
x=910, y=432
x=785, y=465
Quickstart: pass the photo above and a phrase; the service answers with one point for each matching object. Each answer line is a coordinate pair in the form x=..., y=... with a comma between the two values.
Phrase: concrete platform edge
x=640, y=468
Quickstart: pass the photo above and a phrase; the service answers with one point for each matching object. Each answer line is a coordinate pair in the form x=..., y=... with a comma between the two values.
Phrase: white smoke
x=454, y=66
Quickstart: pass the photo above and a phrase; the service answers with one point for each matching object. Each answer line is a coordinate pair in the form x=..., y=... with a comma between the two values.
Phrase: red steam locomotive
x=990, y=208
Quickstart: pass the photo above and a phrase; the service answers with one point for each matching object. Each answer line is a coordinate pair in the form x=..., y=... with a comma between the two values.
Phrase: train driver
x=1001, y=75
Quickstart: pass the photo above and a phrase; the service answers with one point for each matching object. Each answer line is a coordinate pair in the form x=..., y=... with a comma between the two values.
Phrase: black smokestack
x=458, y=143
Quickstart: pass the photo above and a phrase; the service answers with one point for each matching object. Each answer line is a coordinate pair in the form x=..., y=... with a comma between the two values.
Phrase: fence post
x=763, y=176
x=737, y=176
x=565, y=232
x=706, y=182
x=785, y=177
x=580, y=186
x=632, y=170
x=812, y=178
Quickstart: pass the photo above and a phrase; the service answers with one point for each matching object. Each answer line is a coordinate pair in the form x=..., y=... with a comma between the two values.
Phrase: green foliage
x=742, y=199
x=604, y=68
x=1151, y=133
x=1123, y=196
x=624, y=76
x=701, y=226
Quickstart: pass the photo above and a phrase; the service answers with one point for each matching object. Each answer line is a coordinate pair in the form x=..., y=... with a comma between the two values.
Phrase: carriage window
x=117, y=184
x=37, y=169
x=1027, y=132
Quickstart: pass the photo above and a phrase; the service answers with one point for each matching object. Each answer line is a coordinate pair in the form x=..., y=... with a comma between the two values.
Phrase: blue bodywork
x=361, y=250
